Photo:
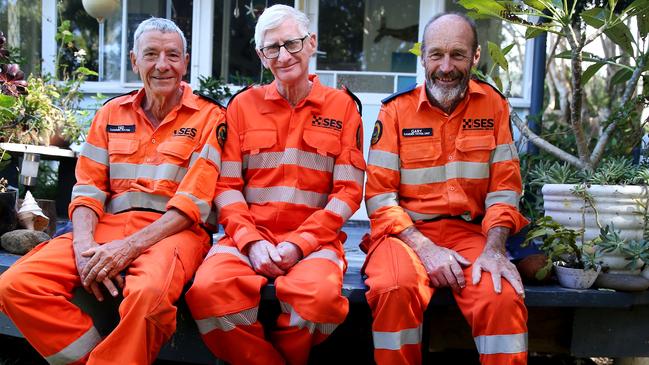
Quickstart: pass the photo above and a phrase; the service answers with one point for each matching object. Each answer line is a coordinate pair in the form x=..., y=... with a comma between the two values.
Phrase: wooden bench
x=582, y=323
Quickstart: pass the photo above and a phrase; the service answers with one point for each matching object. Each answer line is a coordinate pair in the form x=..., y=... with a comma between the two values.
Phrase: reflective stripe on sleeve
x=509, y=197
x=231, y=169
x=290, y=156
x=228, y=197
x=387, y=160
x=349, y=173
x=395, y=340
x=501, y=344
x=77, y=349
x=192, y=160
x=163, y=171
x=340, y=208
x=89, y=191
x=326, y=254
x=285, y=194
x=382, y=200
x=203, y=207
x=297, y=321
x=416, y=216
x=228, y=250
x=133, y=200
x=453, y=170
x=504, y=152
x=227, y=322
x=99, y=155
x=210, y=153
x=309, y=238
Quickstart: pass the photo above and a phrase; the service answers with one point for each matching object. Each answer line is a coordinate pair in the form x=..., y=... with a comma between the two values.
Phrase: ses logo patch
x=477, y=124
x=319, y=121
x=185, y=132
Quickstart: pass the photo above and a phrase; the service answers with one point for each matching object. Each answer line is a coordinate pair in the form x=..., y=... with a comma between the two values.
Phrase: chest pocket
x=256, y=140
x=177, y=153
x=475, y=148
x=121, y=148
x=325, y=144
x=420, y=149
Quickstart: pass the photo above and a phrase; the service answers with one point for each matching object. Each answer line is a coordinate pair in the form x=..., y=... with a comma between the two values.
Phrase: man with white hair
x=443, y=184
x=292, y=175
x=127, y=218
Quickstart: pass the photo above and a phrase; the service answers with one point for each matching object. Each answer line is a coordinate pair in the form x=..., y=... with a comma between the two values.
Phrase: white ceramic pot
x=615, y=263
x=575, y=278
x=617, y=204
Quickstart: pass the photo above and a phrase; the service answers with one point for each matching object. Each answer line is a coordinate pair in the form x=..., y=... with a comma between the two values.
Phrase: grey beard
x=445, y=97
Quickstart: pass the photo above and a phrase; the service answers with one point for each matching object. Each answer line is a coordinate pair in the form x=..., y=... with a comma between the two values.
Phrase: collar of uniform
x=474, y=88
x=316, y=95
x=187, y=98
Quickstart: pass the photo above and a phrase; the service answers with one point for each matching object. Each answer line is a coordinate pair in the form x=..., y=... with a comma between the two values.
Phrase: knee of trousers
x=215, y=297
x=154, y=302
x=15, y=287
x=499, y=312
x=400, y=291
x=320, y=302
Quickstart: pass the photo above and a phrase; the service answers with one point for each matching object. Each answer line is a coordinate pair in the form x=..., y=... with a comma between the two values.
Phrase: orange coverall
x=126, y=173
x=289, y=174
x=442, y=173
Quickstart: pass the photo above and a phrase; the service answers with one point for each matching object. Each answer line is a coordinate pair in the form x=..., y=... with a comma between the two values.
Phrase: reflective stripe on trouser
x=36, y=292
x=400, y=292
x=226, y=293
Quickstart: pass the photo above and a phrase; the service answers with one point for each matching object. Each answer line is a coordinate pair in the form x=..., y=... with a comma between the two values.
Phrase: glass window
x=85, y=30
x=234, y=58
x=502, y=34
x=371, y=36
x=20, y=21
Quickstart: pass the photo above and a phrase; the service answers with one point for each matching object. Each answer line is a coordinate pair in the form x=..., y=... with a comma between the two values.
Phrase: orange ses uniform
x=126, y=173
x=444, y=174
x=289, y=174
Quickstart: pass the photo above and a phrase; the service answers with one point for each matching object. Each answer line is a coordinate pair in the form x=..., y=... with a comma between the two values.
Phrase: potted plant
x=576, y=265
x=580, y=132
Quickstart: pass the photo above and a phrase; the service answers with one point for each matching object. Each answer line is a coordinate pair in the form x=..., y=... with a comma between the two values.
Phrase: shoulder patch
x=221, y=134
x=377, y=132
x=480, y=81
x=117, y=96
x=239, y=92
x=359, y=105
x=209, y=98
x=399, y=93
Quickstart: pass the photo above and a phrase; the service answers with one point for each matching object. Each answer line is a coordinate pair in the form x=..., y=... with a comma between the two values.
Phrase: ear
x=476, y=57
x=262, y=58
x=133, y=61
x=186, y=64
x=313, y=43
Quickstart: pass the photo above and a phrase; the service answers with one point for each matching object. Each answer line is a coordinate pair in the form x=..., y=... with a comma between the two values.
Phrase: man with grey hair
x=443, y=184
x=136, y=227
x=292, y=175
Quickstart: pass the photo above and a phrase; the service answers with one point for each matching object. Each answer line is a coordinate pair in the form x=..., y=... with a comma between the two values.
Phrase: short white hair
x=274, y=16
x=157, y=24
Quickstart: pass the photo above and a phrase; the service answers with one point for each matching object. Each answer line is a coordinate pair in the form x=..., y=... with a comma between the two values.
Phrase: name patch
x=120, y=128
x=417, y=132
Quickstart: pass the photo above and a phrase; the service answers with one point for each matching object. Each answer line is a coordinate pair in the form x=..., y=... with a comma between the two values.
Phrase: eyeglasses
x=292, y=46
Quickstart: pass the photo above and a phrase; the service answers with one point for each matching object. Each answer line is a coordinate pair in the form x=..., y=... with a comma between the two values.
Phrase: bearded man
x=442, y=193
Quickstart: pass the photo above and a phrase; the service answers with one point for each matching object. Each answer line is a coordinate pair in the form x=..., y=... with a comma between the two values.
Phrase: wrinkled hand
x=263, y=257
x=107, y=260
x=92, y=287
x=443, y=266
x=499, y=266
x=290, y=254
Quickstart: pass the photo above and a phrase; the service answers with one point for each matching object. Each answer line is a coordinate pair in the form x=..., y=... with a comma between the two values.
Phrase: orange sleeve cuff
x=305, y=246
x=186, y=206
x=93, y=204
x=502, y=215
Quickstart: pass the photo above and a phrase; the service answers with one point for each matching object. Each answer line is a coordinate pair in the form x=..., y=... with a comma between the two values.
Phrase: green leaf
x=536, y=4
x=416, y=49
x=483, y=7
x=86, y=71
x=497, y=55
x=594, y=17
x=533, y=32
x=623, y=75
x=621, y=35
x=507, y=49
x=590, y=72
x=7, y=101
x=498, y=82
x=640, y=10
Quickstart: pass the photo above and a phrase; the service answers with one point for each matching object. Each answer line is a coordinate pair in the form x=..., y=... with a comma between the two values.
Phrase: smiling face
x=288, y=68
x=160, y=62
x=447, y=59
